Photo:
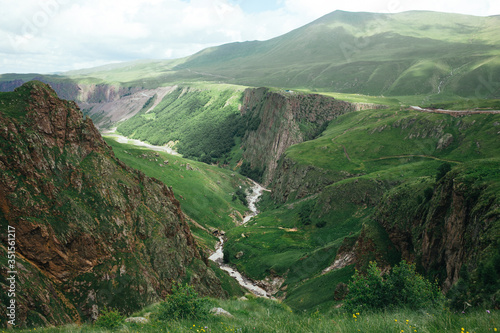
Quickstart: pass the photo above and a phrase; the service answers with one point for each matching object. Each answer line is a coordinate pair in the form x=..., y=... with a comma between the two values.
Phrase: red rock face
x=89, y=230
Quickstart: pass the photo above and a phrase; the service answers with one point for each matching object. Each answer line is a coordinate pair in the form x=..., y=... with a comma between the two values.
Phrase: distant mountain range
x=410, y=53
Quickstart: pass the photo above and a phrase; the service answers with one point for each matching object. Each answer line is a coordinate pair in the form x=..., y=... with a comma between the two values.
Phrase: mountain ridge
x=402, y=54
x=90, y=230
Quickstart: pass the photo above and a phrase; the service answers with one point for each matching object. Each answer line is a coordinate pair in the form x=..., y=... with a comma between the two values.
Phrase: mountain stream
x=218, y=256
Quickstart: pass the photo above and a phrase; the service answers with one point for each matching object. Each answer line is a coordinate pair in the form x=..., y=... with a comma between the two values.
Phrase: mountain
x=353, y=178
x=90, y=232
x=429, y=55
x=409, y=53
x=380, y=185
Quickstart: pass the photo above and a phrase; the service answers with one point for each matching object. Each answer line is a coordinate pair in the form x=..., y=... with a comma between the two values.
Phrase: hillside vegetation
x=205, y=192
x=201, y=123
x=360, y=182
x=332, y=196
x=421, y=56
x=90, y=232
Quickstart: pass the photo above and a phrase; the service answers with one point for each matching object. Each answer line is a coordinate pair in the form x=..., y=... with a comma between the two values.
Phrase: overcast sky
x=45, y=36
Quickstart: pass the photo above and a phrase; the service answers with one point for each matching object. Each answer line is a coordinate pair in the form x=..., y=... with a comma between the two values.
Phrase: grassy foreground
x=263, y=315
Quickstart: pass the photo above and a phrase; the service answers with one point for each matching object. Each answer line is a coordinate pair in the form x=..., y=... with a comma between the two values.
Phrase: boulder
x=137, y=320
x=220, y=312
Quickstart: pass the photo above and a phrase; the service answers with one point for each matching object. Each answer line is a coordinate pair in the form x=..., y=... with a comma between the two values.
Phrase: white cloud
x=57, y=35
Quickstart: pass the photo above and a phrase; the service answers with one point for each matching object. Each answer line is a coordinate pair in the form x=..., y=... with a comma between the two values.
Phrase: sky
x=48, y=36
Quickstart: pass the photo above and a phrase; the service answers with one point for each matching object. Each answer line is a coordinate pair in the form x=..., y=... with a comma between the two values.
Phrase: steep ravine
x=218, y=256
x=279, y=119
x=456, y=227
x=90, y=231
x=105, y=103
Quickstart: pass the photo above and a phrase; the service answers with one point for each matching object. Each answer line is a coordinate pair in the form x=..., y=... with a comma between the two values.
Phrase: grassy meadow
x=265, y=316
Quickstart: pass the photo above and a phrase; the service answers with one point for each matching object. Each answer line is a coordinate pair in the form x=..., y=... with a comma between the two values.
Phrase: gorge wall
x=89, y=231
x=455, y=228
x=279, y=119
x=106, y=104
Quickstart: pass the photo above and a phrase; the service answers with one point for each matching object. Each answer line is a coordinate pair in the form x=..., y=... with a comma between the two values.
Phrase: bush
x=428, y=193
x=184, y=303
x=253, y=173
x=442, y=170
x=109, y=319
x=402, y=287
x=305, y=213
x=240, y=194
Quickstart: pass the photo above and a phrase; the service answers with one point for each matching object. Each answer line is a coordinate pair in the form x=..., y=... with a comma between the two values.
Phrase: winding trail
x=454, y=112
x=404, y=156
x=218, y=256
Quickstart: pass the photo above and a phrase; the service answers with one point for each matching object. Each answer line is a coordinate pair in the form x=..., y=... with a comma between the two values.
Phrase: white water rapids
x=218, y=256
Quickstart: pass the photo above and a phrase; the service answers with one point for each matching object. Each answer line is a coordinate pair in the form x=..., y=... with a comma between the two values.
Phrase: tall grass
x=263, y=315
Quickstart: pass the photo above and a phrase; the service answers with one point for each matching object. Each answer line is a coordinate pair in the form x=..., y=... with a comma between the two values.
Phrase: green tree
x=442, y=170
x=183, y=303
x=402, y=287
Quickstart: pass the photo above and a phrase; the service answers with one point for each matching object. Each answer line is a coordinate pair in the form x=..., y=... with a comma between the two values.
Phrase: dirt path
x=404, y=156
x=454, y=112
x=345, y=149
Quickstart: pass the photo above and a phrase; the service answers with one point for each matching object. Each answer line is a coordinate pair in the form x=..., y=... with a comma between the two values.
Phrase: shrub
x=442, y=170
x=240, y=194
x=305, y=213
x=410, y=289
x=321, y=224
x=183, y=303
x=402, y=287
x=109, y=319
x=428, y=193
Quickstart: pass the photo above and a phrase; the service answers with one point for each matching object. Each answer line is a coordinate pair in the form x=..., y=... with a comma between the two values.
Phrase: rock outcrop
x=105, y=103
x=281, y=119
x=89, y=231
x=457, y=226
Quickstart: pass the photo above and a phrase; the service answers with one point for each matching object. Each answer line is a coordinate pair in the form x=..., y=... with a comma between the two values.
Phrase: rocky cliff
x=106, y=104
x=446, y=226
x=89, y=231
x=278, y=120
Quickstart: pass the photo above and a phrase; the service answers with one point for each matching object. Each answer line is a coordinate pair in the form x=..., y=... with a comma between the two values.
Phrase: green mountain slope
x=435, y=56
x=90, y=232
x=205, y=192
x=200, y=122
x=366, y=189
x=377, y=54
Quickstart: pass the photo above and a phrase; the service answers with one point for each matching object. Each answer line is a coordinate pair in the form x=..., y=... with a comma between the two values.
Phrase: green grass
x=386, y=148
x=205, y=193
x=410, y=56
x=261, y=315
x=375, y=139
x=201, y=120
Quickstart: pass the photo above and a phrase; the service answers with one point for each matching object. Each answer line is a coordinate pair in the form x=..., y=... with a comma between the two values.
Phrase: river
x=123, y=139
x=218, y=256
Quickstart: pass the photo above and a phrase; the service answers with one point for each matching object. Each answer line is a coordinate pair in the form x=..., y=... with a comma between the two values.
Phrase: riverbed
x=218, y=256
x=123, y=139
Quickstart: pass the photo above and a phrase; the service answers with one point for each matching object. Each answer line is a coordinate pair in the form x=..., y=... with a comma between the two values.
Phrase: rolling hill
x=434, y=56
